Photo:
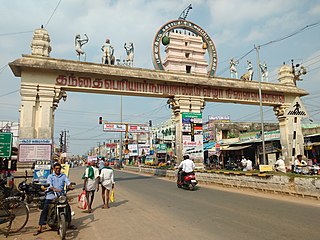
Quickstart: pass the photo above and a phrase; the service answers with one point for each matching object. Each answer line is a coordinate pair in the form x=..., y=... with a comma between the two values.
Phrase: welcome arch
x=45, y=81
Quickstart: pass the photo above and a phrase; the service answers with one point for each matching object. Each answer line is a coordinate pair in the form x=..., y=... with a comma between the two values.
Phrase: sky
x=292, y=27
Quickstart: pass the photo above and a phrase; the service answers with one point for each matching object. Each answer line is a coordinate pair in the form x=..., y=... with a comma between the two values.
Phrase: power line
x=291, y=35
x=6, y=94
x=276, y=40
x=52, y=14
x=30, y=31
x=14, y=33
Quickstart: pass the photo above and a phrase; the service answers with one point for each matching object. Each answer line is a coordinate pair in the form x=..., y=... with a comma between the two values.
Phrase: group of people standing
x=95, y=174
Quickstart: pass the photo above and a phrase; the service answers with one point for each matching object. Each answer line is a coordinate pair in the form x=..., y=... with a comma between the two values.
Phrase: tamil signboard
x=5, y=145
x=296, y=109
x=192, y=135
x=193, y=148
x=31, y=150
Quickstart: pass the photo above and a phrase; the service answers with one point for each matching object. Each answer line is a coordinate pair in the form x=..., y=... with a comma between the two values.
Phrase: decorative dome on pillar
x=40, y=45
x=285, y=75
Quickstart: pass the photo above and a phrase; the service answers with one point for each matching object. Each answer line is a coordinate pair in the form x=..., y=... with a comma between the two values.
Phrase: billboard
x=112, y=127
x=192, y=135
x=133, y=150
x=219, y=118
x=31, y=150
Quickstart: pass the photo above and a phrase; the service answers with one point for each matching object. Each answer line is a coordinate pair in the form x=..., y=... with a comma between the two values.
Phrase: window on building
x=187, y=55
x=188, y=69
x=225, y=134
x=186, y=43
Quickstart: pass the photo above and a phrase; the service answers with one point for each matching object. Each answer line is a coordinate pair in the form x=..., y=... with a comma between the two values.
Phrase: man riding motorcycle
x=187, y=166
x=56, y=181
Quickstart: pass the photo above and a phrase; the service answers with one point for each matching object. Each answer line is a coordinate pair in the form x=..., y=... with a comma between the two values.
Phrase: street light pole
x=261, y=109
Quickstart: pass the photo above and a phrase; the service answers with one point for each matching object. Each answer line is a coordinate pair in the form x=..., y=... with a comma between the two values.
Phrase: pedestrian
x=91, y=183
x=300, y=165
x=280, y=165
x=107, y=183
x=101, y=164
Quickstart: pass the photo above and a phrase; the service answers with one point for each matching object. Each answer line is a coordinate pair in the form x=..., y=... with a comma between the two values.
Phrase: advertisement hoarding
x=31, y=150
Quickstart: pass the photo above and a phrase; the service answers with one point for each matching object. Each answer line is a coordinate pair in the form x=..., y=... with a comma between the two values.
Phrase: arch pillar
x=179, y=105
x=289, y=125
x=38, y=104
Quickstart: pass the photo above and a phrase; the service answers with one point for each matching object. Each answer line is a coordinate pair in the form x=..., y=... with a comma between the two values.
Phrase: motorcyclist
x=56, y=181
x=187, y=166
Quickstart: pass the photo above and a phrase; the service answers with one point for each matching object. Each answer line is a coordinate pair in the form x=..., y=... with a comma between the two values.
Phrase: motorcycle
x=32, y=192
x=188, y=182
x=59, y=214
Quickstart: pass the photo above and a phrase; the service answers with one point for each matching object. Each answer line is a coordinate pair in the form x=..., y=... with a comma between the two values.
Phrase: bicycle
x=14, y=215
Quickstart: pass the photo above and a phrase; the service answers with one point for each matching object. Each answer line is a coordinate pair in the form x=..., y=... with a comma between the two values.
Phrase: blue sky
x=235, y=26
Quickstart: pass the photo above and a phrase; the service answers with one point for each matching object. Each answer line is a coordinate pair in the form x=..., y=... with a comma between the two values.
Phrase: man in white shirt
x=243, y=163
x=280, y=166
x=248, y=166
x=300, y=165
x=91, y=183
x=187, y=166
x=107, y=183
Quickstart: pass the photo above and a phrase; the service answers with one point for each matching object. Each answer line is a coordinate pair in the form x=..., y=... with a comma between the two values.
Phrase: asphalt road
x=148, y=207
x=151, y=208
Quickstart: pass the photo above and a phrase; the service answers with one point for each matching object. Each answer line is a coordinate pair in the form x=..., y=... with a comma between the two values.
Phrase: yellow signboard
x=265, y=168
x=65, y=169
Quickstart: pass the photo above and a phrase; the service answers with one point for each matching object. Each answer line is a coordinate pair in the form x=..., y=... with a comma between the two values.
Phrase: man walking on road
x=107, y=183
x=91, y=183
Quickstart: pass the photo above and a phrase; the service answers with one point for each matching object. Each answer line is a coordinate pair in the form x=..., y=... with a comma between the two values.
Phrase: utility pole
x=261, y=109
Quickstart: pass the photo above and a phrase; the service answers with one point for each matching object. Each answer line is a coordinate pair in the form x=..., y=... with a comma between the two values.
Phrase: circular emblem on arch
x=162, y=37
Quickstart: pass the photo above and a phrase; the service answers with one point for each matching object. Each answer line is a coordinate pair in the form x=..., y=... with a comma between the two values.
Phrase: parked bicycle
x=14, y=215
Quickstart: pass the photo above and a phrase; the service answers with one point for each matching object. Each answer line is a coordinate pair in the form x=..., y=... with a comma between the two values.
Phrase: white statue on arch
x=264, y=72
x=108, y=52
x=248, y=76
x=130, y=53
x=78, y=45
x=233, y=70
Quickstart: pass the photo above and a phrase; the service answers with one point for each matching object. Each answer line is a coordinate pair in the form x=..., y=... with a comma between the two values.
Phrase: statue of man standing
x=108, y=52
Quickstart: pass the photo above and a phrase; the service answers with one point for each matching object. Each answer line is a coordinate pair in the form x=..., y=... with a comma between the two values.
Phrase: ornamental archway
x=46, y=80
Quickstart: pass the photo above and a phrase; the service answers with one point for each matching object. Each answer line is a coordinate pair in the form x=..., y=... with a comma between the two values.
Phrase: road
x=148, y=207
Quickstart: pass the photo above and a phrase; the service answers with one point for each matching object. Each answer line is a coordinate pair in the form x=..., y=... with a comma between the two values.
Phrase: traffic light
x=150, y=123
x=100, y=120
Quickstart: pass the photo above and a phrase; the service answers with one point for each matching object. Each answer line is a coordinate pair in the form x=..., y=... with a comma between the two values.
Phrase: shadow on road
x=116, y=204
x=80, y=224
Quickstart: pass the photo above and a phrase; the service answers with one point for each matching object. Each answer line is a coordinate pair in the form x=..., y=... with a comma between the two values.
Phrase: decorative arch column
x=38, y=104
x=179, y=105
x=288, y=126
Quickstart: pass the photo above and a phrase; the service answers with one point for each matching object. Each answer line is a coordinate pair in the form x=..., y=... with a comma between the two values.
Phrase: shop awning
x=235, y=148
x=209, y=145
